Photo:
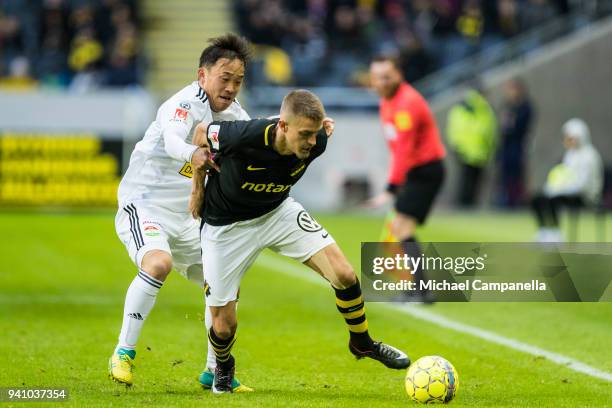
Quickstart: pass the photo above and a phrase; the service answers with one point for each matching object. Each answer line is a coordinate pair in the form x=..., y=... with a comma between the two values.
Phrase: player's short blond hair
x=304, y=104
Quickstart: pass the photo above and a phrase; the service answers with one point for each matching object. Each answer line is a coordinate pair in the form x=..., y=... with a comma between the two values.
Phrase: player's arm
x=196, y=200
x=176, y=122
x=406, y=124
x=201, y=162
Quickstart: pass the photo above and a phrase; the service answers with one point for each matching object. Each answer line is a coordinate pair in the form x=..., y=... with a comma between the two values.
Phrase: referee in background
x=416, y=171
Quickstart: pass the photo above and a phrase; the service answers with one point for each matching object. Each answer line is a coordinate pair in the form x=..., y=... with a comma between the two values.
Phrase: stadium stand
x=78, y=45
x=297, y=38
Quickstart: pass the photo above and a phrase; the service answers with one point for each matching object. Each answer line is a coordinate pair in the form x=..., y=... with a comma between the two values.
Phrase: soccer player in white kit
x=153, y=220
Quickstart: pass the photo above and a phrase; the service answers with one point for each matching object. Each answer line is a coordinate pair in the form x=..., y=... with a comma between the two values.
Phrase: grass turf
x=64, y=277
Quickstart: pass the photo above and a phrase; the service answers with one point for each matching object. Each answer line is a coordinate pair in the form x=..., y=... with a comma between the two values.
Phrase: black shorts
x=416, y=196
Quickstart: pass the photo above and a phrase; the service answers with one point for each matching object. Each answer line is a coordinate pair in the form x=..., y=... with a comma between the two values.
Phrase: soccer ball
x=432, y=379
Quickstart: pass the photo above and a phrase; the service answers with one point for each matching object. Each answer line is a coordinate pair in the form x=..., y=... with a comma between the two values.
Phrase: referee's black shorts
x=416, y=196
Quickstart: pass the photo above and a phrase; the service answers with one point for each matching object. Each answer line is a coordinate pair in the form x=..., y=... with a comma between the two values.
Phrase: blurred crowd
x=329, y=42
x=76, y=44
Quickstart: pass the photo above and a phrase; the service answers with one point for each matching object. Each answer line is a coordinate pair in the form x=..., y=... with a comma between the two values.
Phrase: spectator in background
x=18, y=78
x=414, y=59
x=516, y=119
x=576, y=182
x=472, y=133
x=84, y=59
x=76, y=44
x=508, y=23
x=536, y=12
x=54, y=40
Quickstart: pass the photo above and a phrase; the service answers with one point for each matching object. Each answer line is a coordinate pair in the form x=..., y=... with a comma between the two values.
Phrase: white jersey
x=160, y=170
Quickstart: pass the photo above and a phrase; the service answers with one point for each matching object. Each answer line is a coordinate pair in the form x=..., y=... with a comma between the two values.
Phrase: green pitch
x=63, y=279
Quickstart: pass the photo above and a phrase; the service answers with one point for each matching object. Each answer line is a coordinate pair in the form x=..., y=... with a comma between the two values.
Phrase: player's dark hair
x=305, y=104
x=393, y=59
x=228, y=46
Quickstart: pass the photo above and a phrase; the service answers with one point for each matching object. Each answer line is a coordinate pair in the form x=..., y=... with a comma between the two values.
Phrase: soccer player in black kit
x=247, y=208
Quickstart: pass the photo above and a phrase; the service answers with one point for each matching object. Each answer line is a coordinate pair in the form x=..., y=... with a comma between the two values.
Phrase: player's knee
x=403, y=226
x=157, y=264
x=225, y=328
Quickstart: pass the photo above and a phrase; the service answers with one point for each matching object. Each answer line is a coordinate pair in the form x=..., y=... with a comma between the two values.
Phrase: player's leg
x=294, y=233
x=413, y=204
x=331, y=263
x=141, y=230
x=227, y=252
x=187, y=256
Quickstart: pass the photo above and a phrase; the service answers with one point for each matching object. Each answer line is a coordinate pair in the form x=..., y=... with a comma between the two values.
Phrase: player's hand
x=201, y=160
x=378, y=201
x=199, y=136
x=328, y=124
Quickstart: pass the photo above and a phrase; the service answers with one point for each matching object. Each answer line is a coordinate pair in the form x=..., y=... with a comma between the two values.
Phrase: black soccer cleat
x=386, y=354
x=224, y=374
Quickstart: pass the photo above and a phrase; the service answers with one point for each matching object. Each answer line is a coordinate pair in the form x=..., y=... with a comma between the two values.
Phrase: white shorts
x=143, y=227
x=229, y=250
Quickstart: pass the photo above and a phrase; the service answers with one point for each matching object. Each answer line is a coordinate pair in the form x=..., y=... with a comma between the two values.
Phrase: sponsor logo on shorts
x=307, y=223
x=186, y=170
x=206, y=289
x=151, y=231
x=266, y=188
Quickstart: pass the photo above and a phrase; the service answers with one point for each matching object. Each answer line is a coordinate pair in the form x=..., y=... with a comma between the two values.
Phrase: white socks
x=139, y=301
x=211, y=359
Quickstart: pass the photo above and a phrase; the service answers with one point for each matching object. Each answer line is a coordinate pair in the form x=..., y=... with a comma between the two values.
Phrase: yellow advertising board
x=57, y=170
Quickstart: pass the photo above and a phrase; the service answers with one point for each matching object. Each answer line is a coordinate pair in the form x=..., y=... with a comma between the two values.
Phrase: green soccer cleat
x=121, y=365
x=207, y=378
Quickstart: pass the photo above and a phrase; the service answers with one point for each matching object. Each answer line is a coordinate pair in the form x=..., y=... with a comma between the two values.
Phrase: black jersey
x=254, y=178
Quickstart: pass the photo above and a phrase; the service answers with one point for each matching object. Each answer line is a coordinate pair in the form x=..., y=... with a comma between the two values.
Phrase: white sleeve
x=175, y=145
x=243, y=115
x=176, y=121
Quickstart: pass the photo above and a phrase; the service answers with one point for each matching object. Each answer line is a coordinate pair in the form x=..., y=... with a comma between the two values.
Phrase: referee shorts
x=416, y=196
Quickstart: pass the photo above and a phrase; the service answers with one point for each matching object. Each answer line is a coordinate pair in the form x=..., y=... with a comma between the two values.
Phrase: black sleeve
x=321, y=144
x=231, y=136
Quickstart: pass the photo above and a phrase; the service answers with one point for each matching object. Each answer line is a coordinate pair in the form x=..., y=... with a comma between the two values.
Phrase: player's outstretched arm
x=197, y=192
x=199, y=135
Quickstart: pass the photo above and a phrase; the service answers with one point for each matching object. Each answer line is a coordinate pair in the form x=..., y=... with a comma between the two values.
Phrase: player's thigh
x=417, y=196
x=293, y=232
x=141, y=229
x=187, y=251
x=331, y=263
x=227, y=252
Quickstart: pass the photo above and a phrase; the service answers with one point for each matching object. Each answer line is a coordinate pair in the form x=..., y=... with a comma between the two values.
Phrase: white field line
x=295, y=270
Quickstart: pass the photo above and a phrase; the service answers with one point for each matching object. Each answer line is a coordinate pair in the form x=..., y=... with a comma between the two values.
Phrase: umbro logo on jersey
x=251, y=168
x=136, y=316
